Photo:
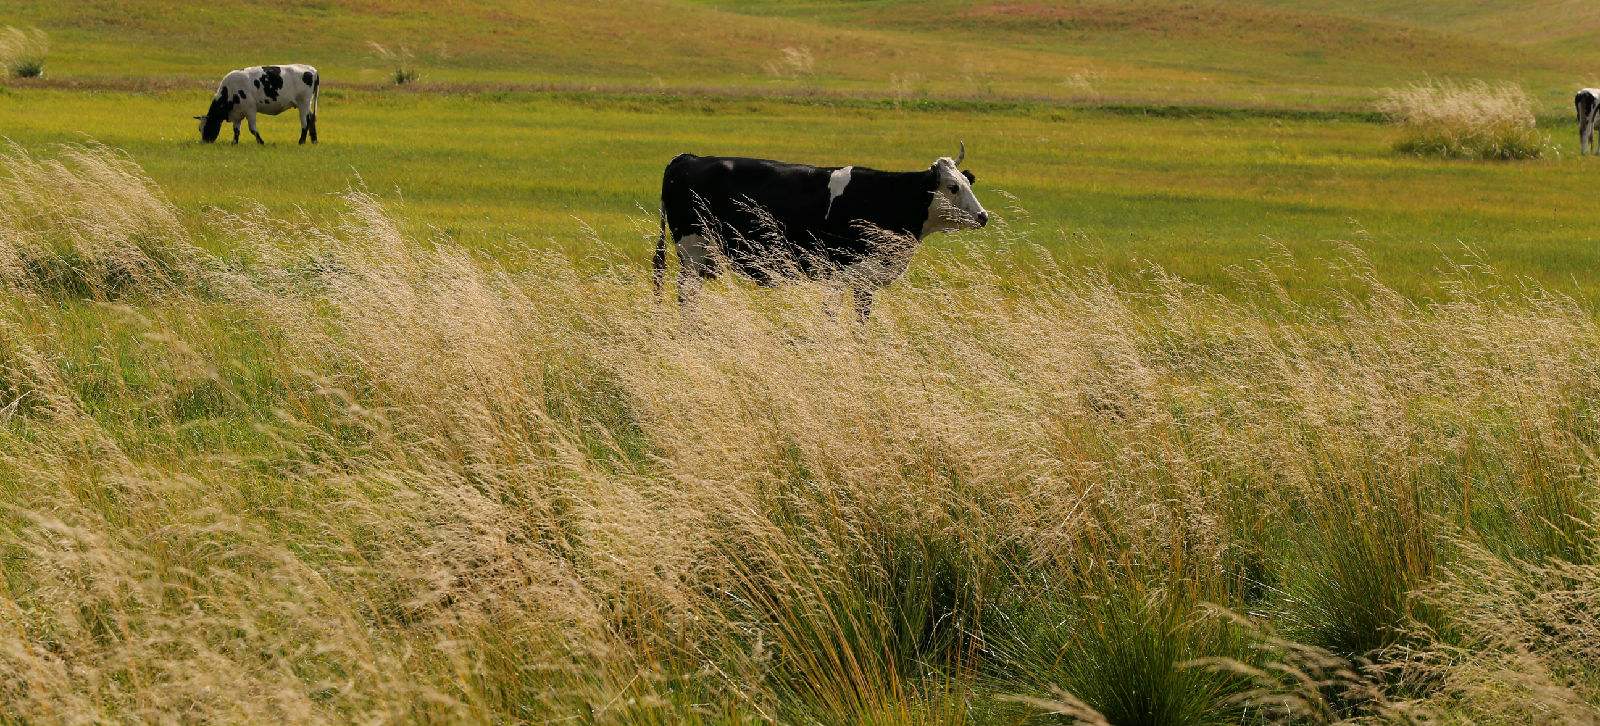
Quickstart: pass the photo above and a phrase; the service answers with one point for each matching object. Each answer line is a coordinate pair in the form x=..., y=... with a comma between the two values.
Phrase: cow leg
x=236, y=132
x=305, y=125
x=312, y=119
x=251, y=117
x=1583, y=131
x=694, y=265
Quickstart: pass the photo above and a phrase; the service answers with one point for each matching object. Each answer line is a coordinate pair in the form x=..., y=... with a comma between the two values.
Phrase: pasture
x=1236, y=415
x=1196, y=193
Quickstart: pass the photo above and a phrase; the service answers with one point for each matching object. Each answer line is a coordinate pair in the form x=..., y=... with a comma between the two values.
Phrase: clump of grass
x=793, y=62
x=404, y=62
x=1526, y=640
x=903, y=88
x=23, y=51
x=1471, y=120
x=1116, y=655
x=1347, y=585
x=344, y=474
x=1084, y=84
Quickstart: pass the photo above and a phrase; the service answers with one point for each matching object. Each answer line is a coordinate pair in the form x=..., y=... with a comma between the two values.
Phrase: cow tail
x=1585, y=103
x=660, y=278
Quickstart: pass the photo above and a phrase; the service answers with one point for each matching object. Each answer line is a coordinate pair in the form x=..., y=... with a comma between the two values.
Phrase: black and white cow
x=263, y=89
x=1588, y=103
x=772, y=221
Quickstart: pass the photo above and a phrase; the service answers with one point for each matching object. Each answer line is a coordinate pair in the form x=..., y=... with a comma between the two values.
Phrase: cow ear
x=970, y=178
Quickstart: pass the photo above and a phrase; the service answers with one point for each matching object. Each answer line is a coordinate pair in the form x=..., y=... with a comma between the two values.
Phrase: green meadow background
x=1196, y=136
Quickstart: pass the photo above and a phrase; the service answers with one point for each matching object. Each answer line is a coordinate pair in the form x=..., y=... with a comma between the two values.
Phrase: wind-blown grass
x=339, y=474
x=1475, y=120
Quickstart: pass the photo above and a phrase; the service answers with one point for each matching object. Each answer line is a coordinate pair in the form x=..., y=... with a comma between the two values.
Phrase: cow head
x=211, y=123
x=954, y=206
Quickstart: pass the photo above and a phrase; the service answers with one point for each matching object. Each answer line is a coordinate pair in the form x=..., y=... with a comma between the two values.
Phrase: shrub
x=404, y=62
x=1473, y=120
x=22, y=51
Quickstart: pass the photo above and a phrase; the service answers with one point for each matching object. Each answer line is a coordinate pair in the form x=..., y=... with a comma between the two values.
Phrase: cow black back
x=771, y=219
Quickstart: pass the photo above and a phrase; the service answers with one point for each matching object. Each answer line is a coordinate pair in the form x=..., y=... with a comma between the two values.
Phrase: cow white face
x=954, y=206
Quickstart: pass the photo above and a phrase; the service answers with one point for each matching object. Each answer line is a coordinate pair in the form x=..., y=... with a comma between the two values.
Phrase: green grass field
x=1237, y=416
x=1195, y=194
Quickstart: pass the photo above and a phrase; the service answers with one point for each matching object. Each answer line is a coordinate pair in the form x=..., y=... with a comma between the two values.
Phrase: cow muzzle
x=983, y=219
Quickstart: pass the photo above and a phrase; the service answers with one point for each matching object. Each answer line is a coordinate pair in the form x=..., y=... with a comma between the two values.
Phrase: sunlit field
x=1198, y=194
x=1256, y=402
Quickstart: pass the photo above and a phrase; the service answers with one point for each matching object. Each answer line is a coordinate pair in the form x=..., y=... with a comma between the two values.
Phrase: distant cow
x=1588, y=103
x=770, y=220
x=263, y=89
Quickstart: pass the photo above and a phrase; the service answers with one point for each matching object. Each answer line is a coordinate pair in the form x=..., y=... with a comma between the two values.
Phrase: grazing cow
x=772, y=221
x=263, y=89
x=1588, y=103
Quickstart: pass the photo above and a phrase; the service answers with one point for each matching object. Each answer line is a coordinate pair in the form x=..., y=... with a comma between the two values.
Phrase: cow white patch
x=954, y=206
x=837, y=181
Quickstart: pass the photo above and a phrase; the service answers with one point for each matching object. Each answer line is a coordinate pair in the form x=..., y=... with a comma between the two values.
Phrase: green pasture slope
x=534, y=120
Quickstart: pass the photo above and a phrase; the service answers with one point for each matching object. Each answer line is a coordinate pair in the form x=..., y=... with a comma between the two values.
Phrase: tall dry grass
x=343, y=475
x=23, y=51
x=1465, y=120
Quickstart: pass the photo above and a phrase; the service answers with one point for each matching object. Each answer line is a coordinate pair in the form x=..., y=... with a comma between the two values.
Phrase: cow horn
x=199, y=117
x=963, y=153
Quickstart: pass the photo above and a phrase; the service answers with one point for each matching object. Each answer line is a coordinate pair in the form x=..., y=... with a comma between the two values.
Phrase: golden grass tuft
x=1465, y=120
x=404, y=62
x=792, y=62
x=23, y=51
x=343, y=475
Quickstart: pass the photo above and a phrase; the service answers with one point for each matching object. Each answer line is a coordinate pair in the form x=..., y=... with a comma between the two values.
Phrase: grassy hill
x=1263, y=52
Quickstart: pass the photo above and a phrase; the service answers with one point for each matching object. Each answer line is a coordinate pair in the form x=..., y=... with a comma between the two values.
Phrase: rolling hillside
x=1276, y=53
